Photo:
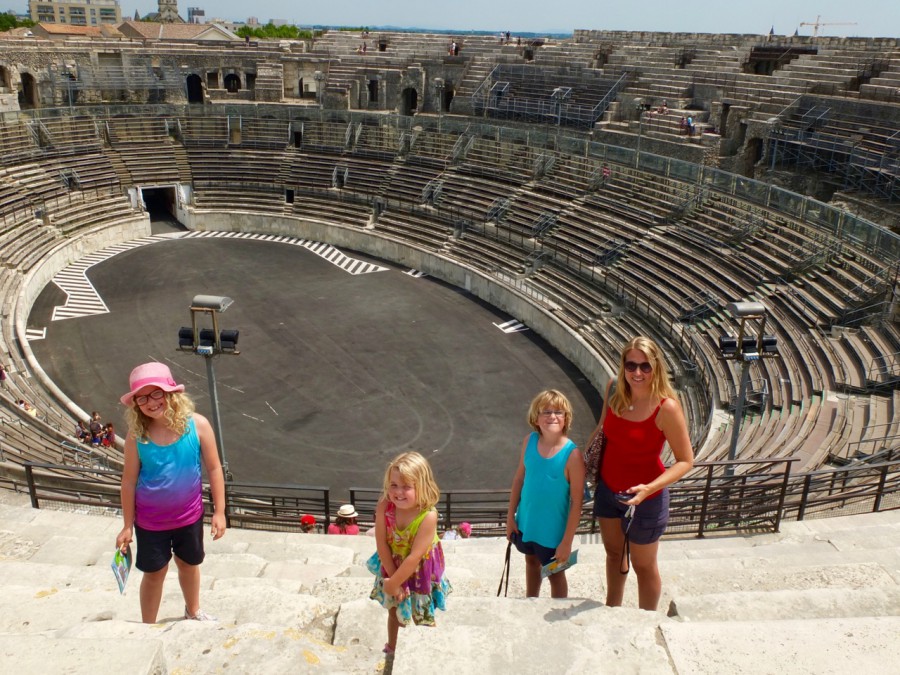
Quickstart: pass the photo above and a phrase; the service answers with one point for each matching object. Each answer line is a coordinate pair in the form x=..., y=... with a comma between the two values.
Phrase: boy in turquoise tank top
x=546, y=494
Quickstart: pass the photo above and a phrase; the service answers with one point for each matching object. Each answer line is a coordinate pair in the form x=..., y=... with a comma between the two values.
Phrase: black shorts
x=650, y=516
x=155, y=547
x=542, y=553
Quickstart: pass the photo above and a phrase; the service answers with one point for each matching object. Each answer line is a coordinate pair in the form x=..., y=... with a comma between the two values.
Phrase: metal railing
x=729, y=496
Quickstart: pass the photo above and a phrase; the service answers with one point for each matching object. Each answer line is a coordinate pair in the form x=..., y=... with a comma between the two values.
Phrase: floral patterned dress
x=427, y=586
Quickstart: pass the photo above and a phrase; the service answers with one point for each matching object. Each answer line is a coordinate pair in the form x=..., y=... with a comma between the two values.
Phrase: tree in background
x=272, y=32
x=8, y=20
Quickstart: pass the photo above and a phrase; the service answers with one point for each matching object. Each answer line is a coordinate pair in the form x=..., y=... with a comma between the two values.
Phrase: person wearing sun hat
x=345, y=521
x=162, y=486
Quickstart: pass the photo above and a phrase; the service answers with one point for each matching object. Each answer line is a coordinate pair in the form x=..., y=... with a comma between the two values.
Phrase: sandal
x=388, y=649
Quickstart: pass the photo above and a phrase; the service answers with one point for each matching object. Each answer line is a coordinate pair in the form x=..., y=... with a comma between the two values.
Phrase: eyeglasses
x=645, y=366
x=155, y=395
x=553, y=413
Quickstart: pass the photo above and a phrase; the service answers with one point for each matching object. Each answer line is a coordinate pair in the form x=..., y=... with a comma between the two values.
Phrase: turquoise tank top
x=169, y=490
x=544, y=504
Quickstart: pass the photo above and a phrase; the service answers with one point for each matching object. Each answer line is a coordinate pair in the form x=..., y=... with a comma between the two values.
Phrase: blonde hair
x=547, y=400
x=416, y=471
x=179, y=408
x=660, y=385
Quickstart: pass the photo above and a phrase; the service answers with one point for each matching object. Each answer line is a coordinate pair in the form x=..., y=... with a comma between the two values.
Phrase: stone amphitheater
x=555, y=181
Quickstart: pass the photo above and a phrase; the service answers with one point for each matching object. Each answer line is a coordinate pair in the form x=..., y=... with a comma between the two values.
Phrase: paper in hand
x=121, y=567
x=553, y=566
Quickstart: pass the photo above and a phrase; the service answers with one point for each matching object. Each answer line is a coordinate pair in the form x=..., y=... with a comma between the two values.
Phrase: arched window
x=232, y=83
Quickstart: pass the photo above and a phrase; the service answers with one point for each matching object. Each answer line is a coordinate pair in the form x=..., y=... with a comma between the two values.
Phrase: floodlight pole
x=744, y=311
x=637, y=152
x=738, y=413
x=212, y=305
x=216, y=418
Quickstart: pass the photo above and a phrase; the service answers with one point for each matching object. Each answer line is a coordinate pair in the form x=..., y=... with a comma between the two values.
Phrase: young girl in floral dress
x=409, y=563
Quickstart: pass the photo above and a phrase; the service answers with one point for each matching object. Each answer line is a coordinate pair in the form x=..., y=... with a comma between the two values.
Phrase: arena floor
x=337, y=372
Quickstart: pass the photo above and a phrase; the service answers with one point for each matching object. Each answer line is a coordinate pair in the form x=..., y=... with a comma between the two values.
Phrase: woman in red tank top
x=642, y=415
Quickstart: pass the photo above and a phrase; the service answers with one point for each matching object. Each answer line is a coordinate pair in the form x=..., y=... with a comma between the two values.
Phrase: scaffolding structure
x=862, y=164
x=533, y=94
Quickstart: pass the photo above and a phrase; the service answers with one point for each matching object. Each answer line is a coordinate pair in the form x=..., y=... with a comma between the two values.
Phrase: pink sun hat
x=150, y=374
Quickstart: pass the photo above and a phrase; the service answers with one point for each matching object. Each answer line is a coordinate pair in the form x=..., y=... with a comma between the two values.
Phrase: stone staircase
x=820, y=597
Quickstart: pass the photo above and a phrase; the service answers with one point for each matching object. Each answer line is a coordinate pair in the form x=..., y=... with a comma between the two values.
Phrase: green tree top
x=8, y=20
x=272, y=32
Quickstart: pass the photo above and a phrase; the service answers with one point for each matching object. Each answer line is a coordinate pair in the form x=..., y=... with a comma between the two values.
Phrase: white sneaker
x=199, y=616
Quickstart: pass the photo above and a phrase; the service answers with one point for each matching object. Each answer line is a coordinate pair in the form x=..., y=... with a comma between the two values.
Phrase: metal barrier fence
x=731, y=496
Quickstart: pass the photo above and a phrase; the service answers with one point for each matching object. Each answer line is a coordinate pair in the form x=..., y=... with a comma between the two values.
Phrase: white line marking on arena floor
x=32, y=334
x=512, y=326
x=82, y=298
x=325, y=251
x=252, y=417
x=271, y=408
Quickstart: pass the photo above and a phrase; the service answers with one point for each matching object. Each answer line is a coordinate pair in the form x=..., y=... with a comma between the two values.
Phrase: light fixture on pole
x=209, y=343
x=639, y=106
x=746, y=350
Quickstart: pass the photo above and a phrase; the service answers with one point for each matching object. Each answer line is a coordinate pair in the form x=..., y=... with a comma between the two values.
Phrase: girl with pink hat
x=162, y=488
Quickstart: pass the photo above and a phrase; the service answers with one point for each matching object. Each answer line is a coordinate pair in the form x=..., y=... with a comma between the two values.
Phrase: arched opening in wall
x=161, y=203
x=305, y=90
x=447, y=96
x=755, y=150
x=71, y=92
x=194, y=88
x=28, y=95
x=409, y=101
x=372, y=87
x=753, y=155
x=723, y=119
x=5, y=80
x=232, y=83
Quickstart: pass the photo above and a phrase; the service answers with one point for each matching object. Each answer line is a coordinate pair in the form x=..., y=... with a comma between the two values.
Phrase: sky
x=873, y=18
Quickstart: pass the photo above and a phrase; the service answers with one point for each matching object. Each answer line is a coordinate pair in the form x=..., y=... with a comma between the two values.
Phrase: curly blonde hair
x=416, y=471
x=660, y=385
x=550, y=399
x=179, y=408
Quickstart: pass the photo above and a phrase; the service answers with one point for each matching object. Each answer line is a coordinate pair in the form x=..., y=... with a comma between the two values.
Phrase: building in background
x=75, y=12
x=196, y=15
x=168, y=12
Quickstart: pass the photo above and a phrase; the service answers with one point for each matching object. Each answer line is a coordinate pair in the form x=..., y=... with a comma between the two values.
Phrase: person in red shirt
x=345, y=522
x=632, y=500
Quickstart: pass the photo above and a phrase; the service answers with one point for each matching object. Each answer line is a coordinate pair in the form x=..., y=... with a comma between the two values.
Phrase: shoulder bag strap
x=504, y=576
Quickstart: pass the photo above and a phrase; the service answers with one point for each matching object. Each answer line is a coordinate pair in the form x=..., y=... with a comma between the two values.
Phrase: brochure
x=121, y=567
x=553, y=567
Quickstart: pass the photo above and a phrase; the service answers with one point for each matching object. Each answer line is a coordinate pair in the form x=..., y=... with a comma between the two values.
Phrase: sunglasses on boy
x=645, y=366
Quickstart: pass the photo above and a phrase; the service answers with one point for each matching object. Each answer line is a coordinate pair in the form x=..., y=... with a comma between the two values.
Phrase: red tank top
x=633, y=452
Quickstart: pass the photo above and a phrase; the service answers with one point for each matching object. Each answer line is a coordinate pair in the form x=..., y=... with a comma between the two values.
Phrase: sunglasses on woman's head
x=645, y=366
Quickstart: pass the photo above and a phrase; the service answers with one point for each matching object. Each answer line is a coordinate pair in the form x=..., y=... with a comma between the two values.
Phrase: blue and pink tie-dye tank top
x=169, y=491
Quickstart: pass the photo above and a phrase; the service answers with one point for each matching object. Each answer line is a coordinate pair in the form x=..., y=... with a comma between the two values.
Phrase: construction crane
x=818, y=23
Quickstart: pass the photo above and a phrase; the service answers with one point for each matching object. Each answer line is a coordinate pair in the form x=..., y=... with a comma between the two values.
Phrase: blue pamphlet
x=553, y=567
x=121, y=567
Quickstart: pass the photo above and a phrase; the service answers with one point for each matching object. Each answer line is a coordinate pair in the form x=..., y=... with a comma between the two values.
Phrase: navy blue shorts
x=650, y=516
x=542, y=553
x=155, y=547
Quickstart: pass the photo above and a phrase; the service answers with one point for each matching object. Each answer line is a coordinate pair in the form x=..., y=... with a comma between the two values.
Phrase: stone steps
x=290, y=602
